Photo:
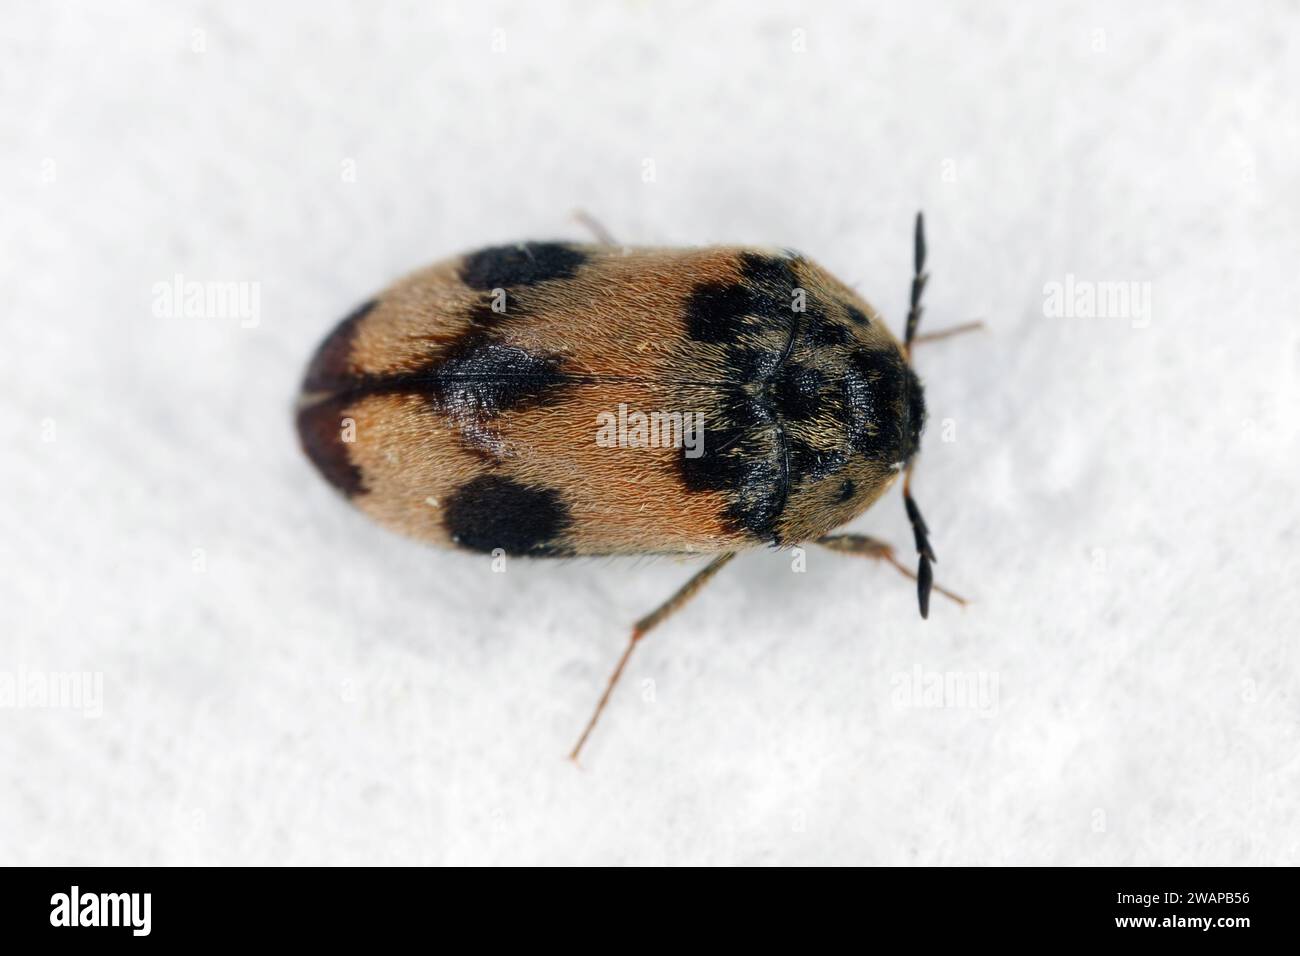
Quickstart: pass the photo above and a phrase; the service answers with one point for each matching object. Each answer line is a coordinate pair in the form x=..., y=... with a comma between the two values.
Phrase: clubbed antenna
x=918, y=286
x=924, y=573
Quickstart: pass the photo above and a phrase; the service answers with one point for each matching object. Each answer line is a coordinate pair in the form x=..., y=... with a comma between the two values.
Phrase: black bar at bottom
x=341, y=906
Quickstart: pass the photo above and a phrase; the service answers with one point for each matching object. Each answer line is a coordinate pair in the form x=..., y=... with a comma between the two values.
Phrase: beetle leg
x=642, y=627
x=948, y=333
x=602, y=234
x=868, y=547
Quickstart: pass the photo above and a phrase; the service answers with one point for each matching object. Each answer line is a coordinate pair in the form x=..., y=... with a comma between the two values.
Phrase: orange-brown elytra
x=555, y=399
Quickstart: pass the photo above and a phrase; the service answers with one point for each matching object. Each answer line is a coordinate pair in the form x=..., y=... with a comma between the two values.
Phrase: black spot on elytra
x=721, y=465
x=716, y=312
x=772, y=274
x=320, y=432
x=847, y=489
x=493, y=511
x=500, y=267
x=753, y=451
x=721, y=311
x=856, y=315
x=477, y=376
x=330, y=367
x=482, y=378
x=796, y=392
x=742, y=456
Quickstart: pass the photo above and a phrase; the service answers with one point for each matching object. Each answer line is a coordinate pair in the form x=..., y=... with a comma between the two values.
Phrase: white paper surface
x=283, y=682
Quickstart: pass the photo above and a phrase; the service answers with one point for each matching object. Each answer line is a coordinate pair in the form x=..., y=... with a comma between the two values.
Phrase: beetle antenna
x=924, y=573
x=918, y=285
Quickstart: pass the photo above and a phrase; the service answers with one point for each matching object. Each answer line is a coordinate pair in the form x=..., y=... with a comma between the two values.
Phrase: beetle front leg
x=642, y=627
x=868, y=547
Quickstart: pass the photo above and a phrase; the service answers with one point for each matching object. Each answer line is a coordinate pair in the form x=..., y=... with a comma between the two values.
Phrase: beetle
x=465, y=406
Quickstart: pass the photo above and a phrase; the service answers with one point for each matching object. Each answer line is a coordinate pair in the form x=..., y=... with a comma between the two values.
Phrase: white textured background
x=1118, y=500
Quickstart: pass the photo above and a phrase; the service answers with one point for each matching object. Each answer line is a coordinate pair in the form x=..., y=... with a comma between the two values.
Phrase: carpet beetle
x=554, y=399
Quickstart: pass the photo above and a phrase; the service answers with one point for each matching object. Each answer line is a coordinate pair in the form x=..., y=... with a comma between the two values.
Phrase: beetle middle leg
x=643, y=626
x=868, y=547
